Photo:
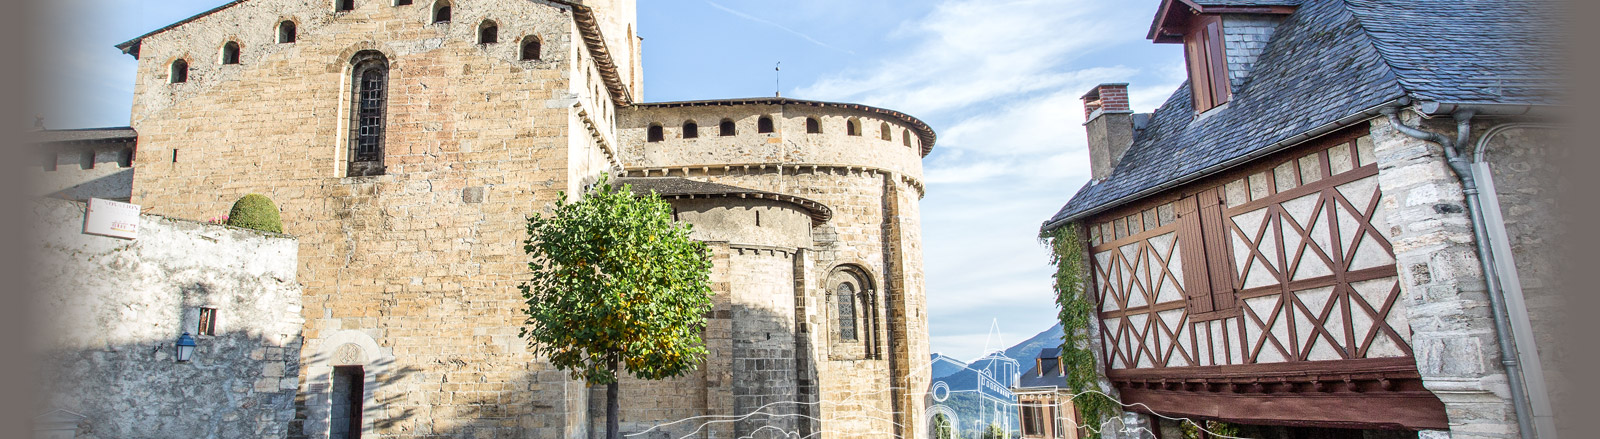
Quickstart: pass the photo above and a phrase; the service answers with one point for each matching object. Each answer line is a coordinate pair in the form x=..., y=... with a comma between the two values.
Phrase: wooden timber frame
x=1262, y=295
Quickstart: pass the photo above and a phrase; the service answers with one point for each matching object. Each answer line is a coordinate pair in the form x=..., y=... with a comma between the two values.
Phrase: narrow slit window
x=208, y=322
x=655, y=134
x=441, y=12
x=691, y=130
x=846, y=296
x=727, y=128
x=402, y=2
x=371, y=74
x=230, y=53
x=813, y=126
x=286, y=32
x=764, y=125
x=180, y=72
x=488, y=33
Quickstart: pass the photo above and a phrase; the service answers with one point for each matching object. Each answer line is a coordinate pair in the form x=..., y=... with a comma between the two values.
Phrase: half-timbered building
x=1328, y=230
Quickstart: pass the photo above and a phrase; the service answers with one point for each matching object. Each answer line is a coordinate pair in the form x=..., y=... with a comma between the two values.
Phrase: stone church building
x=406, y=142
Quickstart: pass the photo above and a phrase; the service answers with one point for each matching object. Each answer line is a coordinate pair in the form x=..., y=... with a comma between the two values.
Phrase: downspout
x=1462, y=166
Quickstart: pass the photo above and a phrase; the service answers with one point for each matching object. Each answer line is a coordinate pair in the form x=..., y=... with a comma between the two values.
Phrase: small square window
x=208, y=322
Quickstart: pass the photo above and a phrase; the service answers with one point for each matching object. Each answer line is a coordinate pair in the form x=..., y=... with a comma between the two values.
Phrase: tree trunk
x=612, y=406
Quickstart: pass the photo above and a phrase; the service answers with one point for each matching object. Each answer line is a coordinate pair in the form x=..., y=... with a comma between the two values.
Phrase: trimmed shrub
x=255, y=211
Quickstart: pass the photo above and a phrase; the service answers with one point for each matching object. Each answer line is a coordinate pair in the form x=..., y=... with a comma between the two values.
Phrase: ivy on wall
x=1066, y=254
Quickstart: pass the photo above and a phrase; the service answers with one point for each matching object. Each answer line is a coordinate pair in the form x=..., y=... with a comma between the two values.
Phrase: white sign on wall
x=112, y=218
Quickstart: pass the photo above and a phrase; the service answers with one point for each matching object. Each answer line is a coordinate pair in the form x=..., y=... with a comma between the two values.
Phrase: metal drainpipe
x=1462, y=166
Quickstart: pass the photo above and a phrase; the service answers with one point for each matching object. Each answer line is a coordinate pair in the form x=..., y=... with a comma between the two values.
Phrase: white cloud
x=1001, y=82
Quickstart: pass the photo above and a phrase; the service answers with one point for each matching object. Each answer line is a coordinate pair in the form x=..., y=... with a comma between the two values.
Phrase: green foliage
x=994, y=431
x=1076, y=309
x=1191, y=430
x=616, y=281
x=941, y=427
x=255, y=211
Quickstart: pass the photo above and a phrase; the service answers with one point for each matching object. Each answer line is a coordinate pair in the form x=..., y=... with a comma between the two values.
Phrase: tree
x=616, y=284
x=995, y=432
x=941, y=427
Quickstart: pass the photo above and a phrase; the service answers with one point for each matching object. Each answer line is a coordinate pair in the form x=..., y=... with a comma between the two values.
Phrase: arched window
x=370, y=78
x=655, y=134
x=488, y=33
x=441, y=12
x=230, y=53
x=853, y=303
x=764, y=125
x=344, y=5
x=726, y=128
x=844, y=295
x=852, y=127
x=905, y=137
x=883, y=131
x=180, y=72
x=530, y=48
x=690, y=130
x=286, y=32
x=813, y=126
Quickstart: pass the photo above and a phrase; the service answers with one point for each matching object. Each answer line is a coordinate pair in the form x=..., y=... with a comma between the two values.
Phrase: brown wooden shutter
x=1191, y=242
x=1219, y=254
x=1218, y=58
x=1208, y=277
x=1194, y=52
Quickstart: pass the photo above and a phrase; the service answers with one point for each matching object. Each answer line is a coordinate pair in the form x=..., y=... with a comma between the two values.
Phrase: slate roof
x=1052, y=374
x=1248, y=2
x=679, y=188
x=1330, y=61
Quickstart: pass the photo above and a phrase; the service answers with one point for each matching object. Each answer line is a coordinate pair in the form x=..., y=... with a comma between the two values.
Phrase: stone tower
x=405, y=143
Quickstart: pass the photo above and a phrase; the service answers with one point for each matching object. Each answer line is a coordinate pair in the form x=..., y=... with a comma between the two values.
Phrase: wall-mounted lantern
x=185, y=347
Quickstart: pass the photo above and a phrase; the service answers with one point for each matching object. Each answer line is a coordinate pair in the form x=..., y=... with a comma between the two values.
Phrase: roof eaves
x=131, y=47
x=925, y=133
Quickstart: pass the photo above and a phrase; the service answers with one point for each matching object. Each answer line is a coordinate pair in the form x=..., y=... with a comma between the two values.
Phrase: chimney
x=1110, y=127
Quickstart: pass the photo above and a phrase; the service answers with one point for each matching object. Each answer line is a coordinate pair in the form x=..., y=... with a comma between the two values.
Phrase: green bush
x=255, y=211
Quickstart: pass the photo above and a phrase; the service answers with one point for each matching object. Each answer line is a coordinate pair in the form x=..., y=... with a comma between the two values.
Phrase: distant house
x=976, y=396
x=1044, y=401
x=1297, y=241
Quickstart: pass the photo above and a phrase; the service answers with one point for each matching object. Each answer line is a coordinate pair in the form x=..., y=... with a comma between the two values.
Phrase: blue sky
x=998, y=80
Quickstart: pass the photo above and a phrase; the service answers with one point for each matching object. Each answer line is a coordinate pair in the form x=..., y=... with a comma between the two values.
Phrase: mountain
x=944, y=365
x=1029, y=349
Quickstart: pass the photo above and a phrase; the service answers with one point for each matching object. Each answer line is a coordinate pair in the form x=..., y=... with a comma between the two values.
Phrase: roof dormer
x=1221, y=41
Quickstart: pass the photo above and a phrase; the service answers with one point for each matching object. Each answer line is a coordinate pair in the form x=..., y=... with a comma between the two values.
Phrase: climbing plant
x=1066, y=254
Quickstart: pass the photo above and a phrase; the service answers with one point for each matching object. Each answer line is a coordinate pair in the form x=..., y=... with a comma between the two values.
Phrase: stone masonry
x=411, y=275
x=118, y=306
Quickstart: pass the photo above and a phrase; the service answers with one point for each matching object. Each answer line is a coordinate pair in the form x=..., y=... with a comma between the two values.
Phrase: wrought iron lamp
x=185, y=347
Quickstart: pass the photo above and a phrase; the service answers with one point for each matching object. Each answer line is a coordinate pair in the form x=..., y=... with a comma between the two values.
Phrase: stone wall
x=789, y=143
x=114, y=308
x=1525, y=162
x=82, y=171
x=873, y=188
x=1447, y=305
x=413, y=274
